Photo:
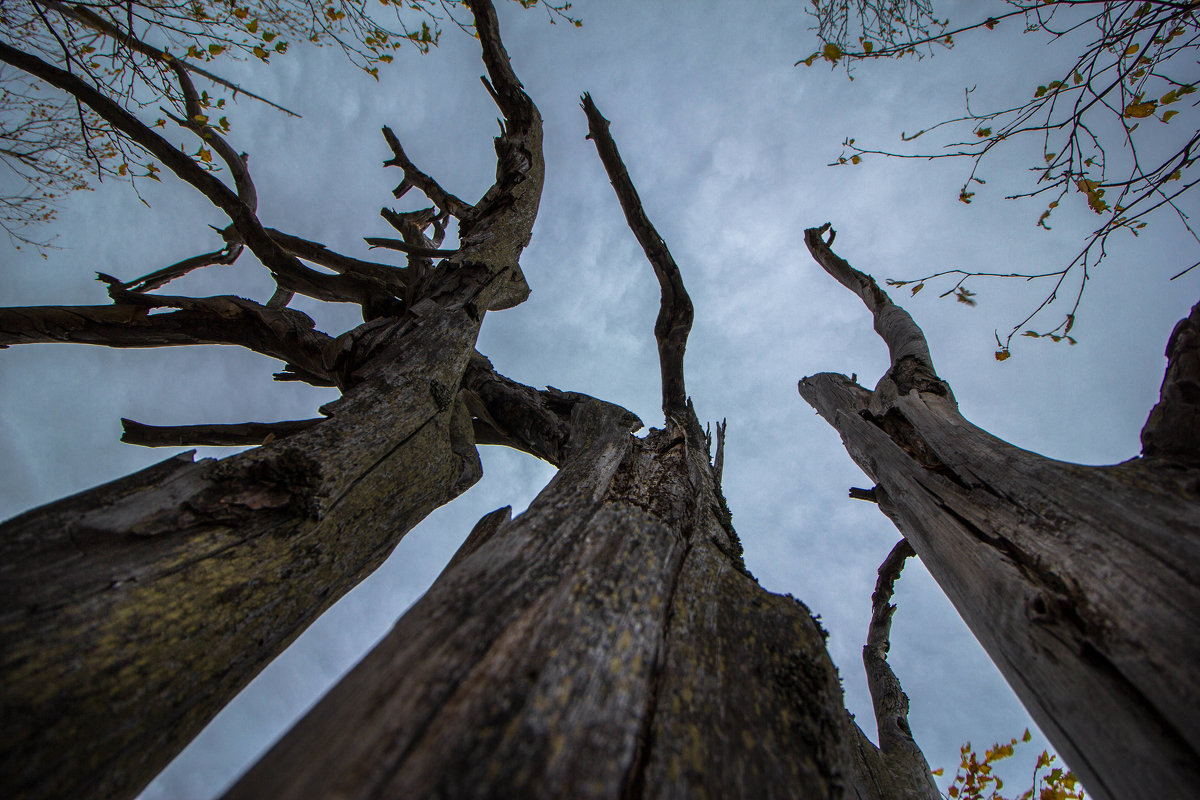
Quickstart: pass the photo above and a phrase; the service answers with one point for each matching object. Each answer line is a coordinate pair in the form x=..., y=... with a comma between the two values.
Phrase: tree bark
x=1082, y=583
x=131, y=613
x=607, y=643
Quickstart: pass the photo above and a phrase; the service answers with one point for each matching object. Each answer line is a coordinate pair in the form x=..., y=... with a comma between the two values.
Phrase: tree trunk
x=134, y=611
x=607, y=643
x=1082, y=583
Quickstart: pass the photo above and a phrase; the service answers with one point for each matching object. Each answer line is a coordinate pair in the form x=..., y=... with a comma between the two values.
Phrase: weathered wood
x=237, y=434
x=1082, y=583
x=1173, y=428
x=607, y=643
x=281, y=333
x=130, y=614
x=897, y=767
x=675, y=312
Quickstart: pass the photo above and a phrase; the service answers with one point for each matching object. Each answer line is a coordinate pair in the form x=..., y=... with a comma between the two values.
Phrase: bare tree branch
x=226, y=256
x=911, y=364
x=415, y=177
x=719, y=456
x=101, y=25
x=280, y=333
x=288, y=271
x=897, y=768
x=404, y=247
x=675, y=310
x=234, y=435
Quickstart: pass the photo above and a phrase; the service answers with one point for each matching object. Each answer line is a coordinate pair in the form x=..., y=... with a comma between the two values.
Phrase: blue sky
x=727, y=143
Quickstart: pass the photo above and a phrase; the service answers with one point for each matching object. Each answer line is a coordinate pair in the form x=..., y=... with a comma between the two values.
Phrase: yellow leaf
x=868, y=46
x=1132, y=50
x=216, y=49
x=855, y=159
x=205, y=155
x=1027, y=736
x=938, y=771
x=831, y=52
x=258, y=51
x=201, y=118
x=1140, y=110
x=1167, y=116
x=124, y=168
x=241, y=13
x=253, y=26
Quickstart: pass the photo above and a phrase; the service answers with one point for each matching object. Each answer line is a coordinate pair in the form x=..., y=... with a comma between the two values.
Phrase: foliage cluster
x=1119, y=128
x=976, y=779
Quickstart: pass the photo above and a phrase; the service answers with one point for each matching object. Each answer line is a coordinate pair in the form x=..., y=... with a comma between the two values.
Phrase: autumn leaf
x=1140, y=110
x=831, y=52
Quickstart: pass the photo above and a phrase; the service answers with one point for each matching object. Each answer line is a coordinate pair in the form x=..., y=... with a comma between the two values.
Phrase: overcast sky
x=727, y=143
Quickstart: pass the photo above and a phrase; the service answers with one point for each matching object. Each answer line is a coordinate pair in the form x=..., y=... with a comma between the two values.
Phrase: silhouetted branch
x=675, y=310
x=232, y=435
x=404, y=247
x=415, y=177
x=280, y=333
x=228, y=255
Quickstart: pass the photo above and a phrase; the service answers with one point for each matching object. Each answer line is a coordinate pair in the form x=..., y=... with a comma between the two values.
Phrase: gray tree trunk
x=1082, y=583
x=607, y=643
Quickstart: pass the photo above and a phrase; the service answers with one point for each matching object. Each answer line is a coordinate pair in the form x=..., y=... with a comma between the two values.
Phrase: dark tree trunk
x=607, y=643
x=132, y=613
x=1082, y=583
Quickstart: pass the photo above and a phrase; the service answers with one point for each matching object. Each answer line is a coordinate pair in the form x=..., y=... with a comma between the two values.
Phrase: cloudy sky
x=727, y=143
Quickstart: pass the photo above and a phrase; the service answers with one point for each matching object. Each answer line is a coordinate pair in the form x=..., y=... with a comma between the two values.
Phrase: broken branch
x=232, y=435
x=675, y=310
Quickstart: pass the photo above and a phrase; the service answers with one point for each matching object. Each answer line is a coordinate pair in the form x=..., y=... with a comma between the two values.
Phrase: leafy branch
x=1137, y=66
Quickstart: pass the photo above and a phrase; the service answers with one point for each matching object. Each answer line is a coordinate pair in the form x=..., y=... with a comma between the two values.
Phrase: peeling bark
x=1082, y=583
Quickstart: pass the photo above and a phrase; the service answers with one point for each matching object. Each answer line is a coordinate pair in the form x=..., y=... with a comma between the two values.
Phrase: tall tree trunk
x=132, y=613
x=607, y=643
x=1082, y=583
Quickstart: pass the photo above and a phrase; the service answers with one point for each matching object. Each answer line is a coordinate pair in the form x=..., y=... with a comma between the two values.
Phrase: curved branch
x=289, y=273
x=675, y=310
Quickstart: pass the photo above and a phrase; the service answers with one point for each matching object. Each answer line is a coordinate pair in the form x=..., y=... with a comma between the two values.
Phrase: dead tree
x=1082, y=583
x=134, y=611
x=606, y=643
